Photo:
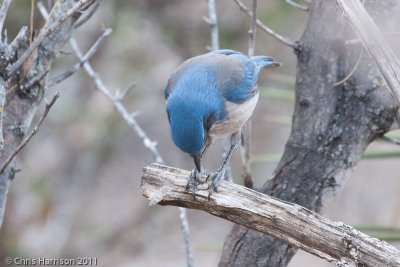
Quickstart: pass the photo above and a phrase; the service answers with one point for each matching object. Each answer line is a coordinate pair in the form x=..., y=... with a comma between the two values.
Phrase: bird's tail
x=266, y=62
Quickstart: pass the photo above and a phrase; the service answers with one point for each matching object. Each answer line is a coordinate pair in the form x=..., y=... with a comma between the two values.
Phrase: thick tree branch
x=294, y=224
x=376, y=44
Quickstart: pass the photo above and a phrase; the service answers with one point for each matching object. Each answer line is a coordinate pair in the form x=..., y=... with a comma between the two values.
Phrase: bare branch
x=121, y=94
x=213, y=22
x=390, y=140
x=3, y=13
x=3, y=93
x=82, y=4
x=151, y=145
x=34, y=80
x=294, y=224
x=297, y=5
x=84, y=59
x=29, y=136
x=284, y=40
x=375, y=43
x=32, y=26
x=88, y=16
x=253, y=30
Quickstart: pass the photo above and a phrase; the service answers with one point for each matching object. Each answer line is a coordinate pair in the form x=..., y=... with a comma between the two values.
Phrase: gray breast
x=237, y=116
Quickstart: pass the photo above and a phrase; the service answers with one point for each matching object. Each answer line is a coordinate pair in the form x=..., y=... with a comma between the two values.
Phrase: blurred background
x=78, y=192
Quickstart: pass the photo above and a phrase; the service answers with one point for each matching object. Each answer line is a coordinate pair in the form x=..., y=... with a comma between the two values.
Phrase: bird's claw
x=213, y=180
x=193, y=181
x=216, y=178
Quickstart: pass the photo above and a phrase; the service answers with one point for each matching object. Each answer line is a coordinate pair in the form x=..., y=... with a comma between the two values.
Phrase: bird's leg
x=193, y=181
x=195, y=176
x=217, y=176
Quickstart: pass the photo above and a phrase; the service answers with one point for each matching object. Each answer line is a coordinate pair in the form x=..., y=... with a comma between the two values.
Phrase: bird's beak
x=197, y=161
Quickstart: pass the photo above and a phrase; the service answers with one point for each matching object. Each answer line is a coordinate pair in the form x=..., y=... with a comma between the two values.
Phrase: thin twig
x=297, y=5
x=85, y=59
x=34, y=80
x=390, y=140
x=151, y=145
x=121, y=94
x=253, y=30
x=353, y=70
x=45, y=33
x=3, y=13
x=213, y=22
x=88, y=16
x=284, y=40
x=32, y=21
x=31, y=134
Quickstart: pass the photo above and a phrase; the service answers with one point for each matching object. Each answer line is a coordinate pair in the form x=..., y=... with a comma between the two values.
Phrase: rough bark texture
x=21, y=103
x=296, y=225
x=332, y=125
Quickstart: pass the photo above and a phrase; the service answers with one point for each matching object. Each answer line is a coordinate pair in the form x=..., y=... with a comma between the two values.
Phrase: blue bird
x=211, y=96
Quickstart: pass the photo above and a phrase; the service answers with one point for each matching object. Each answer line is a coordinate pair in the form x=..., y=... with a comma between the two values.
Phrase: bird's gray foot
x=193, y=181
x=216, y=178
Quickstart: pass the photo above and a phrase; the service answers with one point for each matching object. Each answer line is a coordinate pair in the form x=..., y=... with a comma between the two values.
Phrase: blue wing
x=237, y=74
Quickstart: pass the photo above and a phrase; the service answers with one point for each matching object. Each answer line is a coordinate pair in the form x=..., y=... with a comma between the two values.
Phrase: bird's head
x=190, y=123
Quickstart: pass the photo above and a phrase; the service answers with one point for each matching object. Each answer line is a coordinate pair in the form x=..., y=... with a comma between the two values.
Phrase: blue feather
x=194, y=99
x=265, y=61
x=197, y=92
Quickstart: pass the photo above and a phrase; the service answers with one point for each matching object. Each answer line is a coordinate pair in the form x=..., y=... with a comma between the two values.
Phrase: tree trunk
x=332, y=125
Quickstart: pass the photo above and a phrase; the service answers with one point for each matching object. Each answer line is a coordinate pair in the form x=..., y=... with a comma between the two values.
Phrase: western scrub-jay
x=210, y=96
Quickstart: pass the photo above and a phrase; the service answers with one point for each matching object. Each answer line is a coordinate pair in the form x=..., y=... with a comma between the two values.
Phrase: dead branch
x=294, y=224
x=83, y=60
x=213, y=22
x=375, y=43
